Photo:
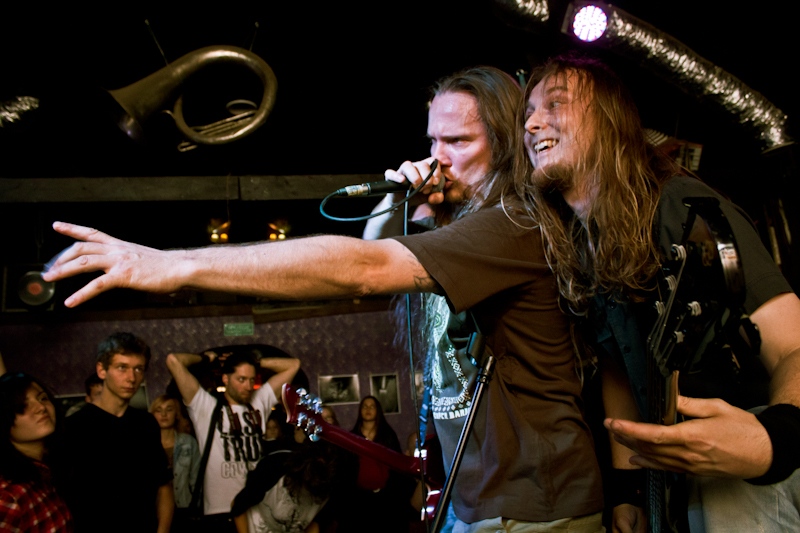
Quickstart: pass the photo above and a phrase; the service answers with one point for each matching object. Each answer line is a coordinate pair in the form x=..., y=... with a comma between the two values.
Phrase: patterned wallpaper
x=62, y=354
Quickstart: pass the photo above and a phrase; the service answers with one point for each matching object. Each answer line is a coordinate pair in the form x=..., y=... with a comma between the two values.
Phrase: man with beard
x=471, y=126
x=609, y=208
x=239, y=418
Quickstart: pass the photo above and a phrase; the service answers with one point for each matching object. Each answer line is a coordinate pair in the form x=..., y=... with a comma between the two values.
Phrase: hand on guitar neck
x=699, y=313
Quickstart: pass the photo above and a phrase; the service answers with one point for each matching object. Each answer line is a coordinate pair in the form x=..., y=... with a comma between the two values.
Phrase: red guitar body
x=305, y=411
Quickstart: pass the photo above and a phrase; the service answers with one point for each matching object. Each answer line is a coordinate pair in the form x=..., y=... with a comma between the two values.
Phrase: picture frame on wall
x=385, y=388
x=339, y=389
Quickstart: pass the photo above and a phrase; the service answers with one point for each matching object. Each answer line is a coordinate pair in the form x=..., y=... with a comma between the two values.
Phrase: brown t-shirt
x=530, y=456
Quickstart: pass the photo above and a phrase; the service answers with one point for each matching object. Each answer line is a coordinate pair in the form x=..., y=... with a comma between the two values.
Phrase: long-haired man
x=609, y=207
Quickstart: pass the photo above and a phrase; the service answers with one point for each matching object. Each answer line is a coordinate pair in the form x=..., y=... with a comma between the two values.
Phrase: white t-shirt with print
x=231, y=456
x=279, y=512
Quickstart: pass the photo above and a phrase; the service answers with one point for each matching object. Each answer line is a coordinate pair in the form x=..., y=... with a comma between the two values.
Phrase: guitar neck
x=361, y=446
x=303, y=410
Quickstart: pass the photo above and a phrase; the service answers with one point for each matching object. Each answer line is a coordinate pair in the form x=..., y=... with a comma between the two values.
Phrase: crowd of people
x=275, y=478
x=540, y=239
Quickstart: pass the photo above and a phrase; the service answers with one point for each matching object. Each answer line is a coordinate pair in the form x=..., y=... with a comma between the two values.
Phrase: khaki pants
x=582, y=524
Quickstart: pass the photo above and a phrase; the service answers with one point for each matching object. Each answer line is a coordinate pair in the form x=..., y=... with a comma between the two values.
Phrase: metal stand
x=484, y=376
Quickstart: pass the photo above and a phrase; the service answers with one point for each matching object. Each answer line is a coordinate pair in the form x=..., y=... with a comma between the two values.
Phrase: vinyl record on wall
x=25, y=290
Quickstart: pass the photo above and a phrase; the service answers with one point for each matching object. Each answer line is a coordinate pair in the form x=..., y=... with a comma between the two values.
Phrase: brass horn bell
x=138, y=101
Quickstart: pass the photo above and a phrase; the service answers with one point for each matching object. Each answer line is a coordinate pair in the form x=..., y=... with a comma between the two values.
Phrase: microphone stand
x=476, y=346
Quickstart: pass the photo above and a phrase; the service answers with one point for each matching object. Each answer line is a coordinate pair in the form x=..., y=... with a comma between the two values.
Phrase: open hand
x=718, y=440
x=124, y=264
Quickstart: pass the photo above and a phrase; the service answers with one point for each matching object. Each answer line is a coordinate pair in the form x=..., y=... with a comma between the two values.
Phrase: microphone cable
x=420, y=426
x=410, y=194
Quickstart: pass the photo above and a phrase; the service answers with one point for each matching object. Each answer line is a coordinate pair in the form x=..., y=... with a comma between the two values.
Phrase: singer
x=530, y=458
x=469, y=151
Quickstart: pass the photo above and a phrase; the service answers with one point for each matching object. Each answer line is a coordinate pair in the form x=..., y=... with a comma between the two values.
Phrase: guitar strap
x=197, y=495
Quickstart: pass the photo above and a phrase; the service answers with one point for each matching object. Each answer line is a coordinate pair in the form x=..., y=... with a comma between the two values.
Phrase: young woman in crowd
x=182, y=452
x=29, y=500
x=379, y=496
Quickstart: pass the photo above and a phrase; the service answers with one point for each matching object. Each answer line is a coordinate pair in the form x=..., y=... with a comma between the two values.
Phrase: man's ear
x=101, y=372
x=225, y=379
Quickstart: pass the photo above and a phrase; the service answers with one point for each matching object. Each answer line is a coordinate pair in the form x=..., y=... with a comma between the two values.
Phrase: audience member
x=288, y=489
x=277, y=433
x=183, y=455
x=108, y=437
x=329, y=416
x=29, y=460
x=93, y=386
x=234, y=421
x=379, y=494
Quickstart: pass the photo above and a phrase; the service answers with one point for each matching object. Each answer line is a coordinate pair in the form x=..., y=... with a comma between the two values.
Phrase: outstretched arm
x=720, y=439
x=285, y=369
x=327, y=266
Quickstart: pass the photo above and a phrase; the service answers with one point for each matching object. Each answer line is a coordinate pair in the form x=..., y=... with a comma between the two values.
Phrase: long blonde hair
x=612, y=250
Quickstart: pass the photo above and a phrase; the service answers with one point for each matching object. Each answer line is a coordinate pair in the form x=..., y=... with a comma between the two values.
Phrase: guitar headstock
x=303, y=410
x=704, y=287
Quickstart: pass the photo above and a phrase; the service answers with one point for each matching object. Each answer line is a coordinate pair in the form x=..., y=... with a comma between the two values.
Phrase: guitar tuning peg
x=314, y=431
x=680, y=252
x=316, y=406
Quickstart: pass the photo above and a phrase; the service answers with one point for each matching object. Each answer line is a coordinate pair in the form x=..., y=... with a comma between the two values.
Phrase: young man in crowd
x=109, y=436
x=93, y=386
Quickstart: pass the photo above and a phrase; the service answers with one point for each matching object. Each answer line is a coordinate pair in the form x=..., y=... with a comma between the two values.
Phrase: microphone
x=374, y=188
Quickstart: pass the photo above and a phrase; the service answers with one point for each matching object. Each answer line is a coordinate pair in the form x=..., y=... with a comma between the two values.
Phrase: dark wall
x=62, y=354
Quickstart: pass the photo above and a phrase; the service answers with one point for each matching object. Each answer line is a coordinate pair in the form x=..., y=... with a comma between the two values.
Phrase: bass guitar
x=304, y=410
x=702, y=289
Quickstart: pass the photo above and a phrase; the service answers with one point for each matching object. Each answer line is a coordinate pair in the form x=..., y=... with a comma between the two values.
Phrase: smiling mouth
x=546, y=144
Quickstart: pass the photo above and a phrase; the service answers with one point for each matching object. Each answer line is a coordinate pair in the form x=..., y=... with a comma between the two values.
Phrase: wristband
x=782, y=422
x=627, y=486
